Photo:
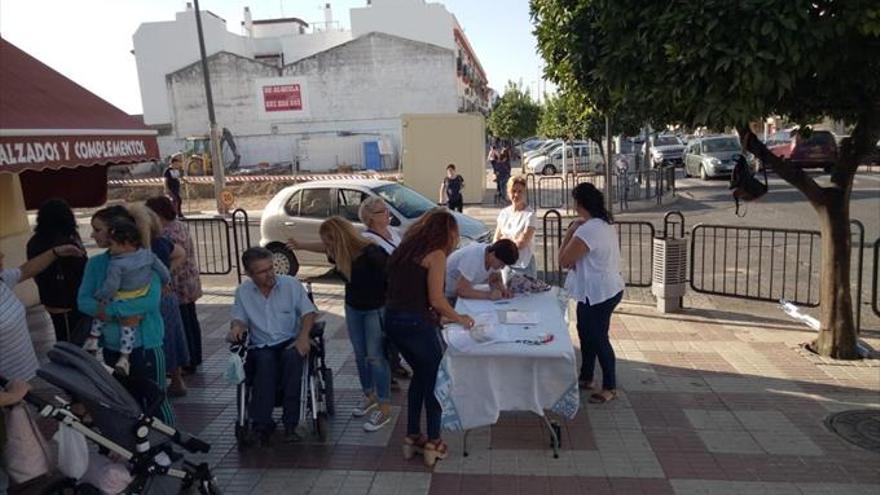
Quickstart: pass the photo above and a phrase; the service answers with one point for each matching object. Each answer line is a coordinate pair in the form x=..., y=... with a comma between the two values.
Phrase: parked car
x=581, y=156
x=711, y=156
x=541, y=150
x=297, y=211
x=666, y=149
x=817, y=151
x=531, y=143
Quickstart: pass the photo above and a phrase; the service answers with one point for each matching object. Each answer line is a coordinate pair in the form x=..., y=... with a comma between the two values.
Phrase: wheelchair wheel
x=329, y=402
x=322, y=426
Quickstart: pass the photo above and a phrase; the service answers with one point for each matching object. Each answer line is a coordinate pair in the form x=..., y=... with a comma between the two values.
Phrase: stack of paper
x=516, y=317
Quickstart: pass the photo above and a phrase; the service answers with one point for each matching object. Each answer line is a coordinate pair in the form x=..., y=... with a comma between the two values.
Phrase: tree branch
x=791, y=174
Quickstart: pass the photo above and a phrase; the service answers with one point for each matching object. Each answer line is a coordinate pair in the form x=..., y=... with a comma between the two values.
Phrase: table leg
x=466, y=432
x=555, y=435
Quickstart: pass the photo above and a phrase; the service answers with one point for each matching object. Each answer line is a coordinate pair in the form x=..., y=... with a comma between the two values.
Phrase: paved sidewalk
x=711, y=402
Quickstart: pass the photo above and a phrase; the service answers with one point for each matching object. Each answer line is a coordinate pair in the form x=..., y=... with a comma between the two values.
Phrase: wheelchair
x=316, y=392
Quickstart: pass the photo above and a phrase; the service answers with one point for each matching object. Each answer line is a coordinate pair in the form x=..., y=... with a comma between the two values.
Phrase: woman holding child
x=147, y=360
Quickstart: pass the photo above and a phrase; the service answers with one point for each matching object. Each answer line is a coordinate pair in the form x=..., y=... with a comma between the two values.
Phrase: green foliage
x=515, y=116
x=568, y=115
x=715, y=62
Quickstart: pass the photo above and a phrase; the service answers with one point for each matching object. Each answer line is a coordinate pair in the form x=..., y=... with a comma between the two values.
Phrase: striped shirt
x=17, y=357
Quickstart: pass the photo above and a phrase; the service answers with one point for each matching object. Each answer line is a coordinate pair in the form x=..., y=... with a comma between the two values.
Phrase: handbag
x=744, y=185
x=27, y=452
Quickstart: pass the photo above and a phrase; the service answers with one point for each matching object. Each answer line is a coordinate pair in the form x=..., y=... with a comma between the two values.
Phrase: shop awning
x=49, y=123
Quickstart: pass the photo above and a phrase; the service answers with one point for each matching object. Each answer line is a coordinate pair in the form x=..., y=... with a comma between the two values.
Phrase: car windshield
x=821, y=138
x=666, y=141
x=717, y=145
x=403, y=199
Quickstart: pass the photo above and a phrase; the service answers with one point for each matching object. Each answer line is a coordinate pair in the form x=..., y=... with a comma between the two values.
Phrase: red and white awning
x=48, y=122
x=56, y=134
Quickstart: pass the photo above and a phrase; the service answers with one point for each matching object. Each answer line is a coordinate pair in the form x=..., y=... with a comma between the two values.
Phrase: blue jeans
x=367, y=339
x=593, y=322
x=280, y=365
x=419, y=343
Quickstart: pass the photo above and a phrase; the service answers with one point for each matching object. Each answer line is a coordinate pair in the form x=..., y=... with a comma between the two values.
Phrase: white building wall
x=163, y=47
x=412, y=19
x=305, y=45
x=356, y=93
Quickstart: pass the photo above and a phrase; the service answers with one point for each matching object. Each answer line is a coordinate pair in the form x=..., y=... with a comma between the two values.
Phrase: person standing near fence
x=58, y=284
x=591, y=252
x=172, y=176
x=185, y=278
x=503, y=172
x=518, y=222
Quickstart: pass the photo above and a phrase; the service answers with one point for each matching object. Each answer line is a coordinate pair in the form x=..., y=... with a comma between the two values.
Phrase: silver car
x=712, y=156
x=297, y=211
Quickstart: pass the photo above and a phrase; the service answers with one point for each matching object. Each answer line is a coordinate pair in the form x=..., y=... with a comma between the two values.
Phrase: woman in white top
x=374, y=214
x=591, y=252
x=518, y=223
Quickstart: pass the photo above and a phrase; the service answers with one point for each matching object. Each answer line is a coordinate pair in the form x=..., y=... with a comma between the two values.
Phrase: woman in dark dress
x=58, y=284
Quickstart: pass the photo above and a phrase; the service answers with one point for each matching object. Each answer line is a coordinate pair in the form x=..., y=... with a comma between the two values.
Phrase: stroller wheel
x=329, y=403
x=322, y=425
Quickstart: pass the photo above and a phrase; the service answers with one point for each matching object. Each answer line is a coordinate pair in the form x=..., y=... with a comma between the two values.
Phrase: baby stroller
x=316, y=397
x=115, y=421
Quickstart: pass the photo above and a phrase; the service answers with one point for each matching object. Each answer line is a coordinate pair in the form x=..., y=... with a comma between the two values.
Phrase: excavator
x=197, y=154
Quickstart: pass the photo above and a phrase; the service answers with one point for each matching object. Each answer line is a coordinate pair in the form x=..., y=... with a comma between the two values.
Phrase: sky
x=89, y=41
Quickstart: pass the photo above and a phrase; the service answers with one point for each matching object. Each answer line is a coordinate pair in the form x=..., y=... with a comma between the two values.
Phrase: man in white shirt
x=477, y=264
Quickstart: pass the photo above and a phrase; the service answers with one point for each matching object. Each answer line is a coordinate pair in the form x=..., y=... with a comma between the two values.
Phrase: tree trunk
x=837, y=334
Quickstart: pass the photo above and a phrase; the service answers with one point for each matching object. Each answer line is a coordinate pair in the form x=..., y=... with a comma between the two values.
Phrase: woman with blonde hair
x=361, y=264
x=518, y=223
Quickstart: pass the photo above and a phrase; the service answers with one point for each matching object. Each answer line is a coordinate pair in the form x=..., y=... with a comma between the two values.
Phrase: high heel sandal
x=435, y=451
x=413, y=445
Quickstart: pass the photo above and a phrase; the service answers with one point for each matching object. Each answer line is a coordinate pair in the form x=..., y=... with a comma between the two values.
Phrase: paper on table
x=486, y=331
x=516, y=317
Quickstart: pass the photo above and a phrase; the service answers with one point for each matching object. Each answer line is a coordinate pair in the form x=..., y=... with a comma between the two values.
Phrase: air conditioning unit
x=669, y=278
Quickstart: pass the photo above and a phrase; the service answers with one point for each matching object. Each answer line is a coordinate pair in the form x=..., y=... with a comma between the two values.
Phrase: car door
x=314, y=206
x=693, y=159
x=348, y=203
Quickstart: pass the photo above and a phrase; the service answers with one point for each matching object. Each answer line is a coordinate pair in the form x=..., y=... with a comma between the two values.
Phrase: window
x=409, y=203
x=292, y=206
x=720, y=145
x=349, y=201
x=315, y=203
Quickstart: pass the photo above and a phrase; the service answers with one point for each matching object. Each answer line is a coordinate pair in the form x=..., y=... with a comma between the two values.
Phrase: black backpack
x=743, y=183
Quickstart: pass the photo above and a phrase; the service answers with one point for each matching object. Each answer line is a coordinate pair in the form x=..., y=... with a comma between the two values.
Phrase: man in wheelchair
x=277, y=315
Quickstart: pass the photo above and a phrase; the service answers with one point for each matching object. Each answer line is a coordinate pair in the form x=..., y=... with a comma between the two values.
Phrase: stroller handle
x=29, y=397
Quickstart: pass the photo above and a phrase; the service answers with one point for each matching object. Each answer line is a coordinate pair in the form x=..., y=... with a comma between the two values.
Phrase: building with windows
x=310, y=94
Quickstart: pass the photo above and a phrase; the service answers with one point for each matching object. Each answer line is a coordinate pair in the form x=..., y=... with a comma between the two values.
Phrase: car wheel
x=703, y=174
x=549, y=170
x=283, y=259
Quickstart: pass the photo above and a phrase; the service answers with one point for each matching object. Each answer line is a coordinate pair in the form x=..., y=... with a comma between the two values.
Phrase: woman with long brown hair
x=415, y=306
x=361, y=264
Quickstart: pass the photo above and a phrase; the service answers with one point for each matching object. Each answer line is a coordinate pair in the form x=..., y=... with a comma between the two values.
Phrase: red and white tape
x=232, y=179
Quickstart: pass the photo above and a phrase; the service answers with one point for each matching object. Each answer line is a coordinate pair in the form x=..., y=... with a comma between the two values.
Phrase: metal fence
x=219, y=242
x=875, y=279
x=755, y=263
x=636, y=249
x=553, y=191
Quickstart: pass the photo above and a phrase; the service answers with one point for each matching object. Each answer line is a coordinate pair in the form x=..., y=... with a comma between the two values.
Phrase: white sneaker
x=366, y=405
x=377, y=420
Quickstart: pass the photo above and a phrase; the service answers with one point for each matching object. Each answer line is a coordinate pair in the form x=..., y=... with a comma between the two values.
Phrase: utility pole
x=216, y=153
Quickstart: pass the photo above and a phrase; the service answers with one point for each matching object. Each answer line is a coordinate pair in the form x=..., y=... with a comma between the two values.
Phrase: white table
x=475, y=386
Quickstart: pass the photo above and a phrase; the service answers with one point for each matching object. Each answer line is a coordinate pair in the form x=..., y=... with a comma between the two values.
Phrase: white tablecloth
x=474, y=387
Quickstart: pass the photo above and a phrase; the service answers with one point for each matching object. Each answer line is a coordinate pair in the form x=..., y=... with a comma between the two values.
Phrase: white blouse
x=596, y=275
